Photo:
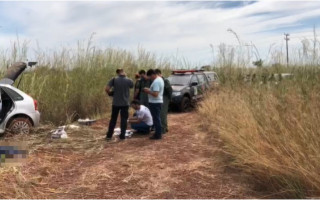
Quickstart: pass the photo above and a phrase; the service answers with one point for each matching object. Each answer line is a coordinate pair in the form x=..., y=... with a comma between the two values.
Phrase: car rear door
x=194, y=91
x=202, y=87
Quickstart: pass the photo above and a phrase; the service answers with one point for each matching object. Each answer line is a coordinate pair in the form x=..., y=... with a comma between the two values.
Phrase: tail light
x=35, y=104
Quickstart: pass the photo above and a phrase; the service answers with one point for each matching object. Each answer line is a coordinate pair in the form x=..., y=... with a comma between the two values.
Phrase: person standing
x=142, y=119
x=136, y=85
x=167, y=93
x=121, y=92
x=155, y=96
x=143, y=83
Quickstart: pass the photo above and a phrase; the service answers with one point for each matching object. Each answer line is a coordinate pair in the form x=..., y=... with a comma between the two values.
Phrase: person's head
x=158, y=72
x=142, y=73
x=137, y=76
x=152, y=74
x=120, y=71
x=135, y=104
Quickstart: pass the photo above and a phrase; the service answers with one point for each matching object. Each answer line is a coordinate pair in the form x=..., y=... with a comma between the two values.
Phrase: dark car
x=188, y=87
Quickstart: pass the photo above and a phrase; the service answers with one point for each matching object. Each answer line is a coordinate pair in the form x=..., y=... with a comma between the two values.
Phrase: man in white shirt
x=142, y=119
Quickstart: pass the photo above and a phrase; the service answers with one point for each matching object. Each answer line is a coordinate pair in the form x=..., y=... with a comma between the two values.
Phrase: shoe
x=155, y=138
x=122, y=138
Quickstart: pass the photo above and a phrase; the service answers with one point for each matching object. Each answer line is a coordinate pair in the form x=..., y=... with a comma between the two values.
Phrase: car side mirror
x=194, y=83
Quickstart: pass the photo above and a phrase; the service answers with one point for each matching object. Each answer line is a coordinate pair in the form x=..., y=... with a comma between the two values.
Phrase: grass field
x=69, y=83
x=268, y=128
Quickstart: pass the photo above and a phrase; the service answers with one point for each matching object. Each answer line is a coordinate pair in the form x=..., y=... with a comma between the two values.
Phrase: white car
x=18, y=111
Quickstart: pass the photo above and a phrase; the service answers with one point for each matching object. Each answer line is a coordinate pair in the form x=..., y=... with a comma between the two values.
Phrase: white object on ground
x=117, y=131
x=86, y=121
x=59, y=133
x=73, y=126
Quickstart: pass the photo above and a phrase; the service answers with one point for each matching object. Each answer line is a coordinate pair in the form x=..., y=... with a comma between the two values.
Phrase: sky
x=192, y=30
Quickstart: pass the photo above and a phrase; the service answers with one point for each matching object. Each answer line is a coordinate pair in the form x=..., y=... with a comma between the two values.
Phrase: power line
x=287, y=39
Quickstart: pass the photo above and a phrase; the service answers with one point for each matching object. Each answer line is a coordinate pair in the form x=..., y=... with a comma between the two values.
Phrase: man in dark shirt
x=121, y=92
x=139, y=93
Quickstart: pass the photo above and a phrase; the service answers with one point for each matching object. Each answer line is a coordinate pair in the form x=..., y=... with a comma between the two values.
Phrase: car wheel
x=185, y=104
x=20, y=125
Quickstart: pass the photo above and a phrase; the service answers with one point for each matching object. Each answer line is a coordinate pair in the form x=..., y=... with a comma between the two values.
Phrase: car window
x=14, y=95
x=210, y=77
x=179, y=79
x=201, y=79
x=194, y=79
x=216, y=78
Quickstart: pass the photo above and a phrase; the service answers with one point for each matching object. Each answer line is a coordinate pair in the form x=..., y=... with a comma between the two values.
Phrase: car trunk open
x=13, y=73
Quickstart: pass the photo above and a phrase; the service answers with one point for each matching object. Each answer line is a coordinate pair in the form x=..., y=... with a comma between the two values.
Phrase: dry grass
x=272, y=132
x=85, y=166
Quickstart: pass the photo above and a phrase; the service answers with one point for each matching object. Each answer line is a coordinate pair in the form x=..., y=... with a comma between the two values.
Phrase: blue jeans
x=142, y=127
x=155, y=109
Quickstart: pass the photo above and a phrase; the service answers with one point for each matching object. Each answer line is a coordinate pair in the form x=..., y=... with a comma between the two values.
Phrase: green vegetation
x=269, y=125
x=69, y=84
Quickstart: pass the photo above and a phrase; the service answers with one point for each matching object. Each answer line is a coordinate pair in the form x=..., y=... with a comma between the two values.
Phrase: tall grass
x=69, y=83
x=271, y=129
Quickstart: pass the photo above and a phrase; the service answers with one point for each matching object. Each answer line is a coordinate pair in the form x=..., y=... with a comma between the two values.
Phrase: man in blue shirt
x=155, y=96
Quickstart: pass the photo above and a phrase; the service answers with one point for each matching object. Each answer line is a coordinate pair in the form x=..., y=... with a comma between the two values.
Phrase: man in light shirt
x=142, y=119
x=155, y=96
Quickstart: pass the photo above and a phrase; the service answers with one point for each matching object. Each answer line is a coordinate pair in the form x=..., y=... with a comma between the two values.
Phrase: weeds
x=271, y=129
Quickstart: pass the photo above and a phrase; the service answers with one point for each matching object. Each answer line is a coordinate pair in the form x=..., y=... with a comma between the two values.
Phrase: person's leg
x=158, y=128
x=141, y=127
x=155, y=109
x=164, y=115
x=124, y=114
x=113, y=121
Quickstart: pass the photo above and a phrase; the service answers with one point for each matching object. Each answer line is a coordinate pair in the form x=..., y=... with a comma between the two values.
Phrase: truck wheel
x=20, y=125
x=185, y=104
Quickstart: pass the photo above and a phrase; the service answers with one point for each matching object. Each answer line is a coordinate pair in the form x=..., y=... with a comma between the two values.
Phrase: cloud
x=161, y=27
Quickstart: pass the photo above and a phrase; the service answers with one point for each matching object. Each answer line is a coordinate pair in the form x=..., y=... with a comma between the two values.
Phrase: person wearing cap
x=121, y=86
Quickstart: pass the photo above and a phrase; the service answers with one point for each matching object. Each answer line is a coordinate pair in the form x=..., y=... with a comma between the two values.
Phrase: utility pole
x=287, y=39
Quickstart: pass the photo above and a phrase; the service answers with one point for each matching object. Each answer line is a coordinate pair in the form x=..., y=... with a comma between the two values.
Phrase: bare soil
x=184, y=164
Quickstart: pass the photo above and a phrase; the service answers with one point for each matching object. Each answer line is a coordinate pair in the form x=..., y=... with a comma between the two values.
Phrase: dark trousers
x=142, y=127
x=164, y=114
x=124, y=115
x=155, y=109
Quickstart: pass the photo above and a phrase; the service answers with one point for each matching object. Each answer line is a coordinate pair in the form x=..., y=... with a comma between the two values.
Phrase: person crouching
x=142, y=119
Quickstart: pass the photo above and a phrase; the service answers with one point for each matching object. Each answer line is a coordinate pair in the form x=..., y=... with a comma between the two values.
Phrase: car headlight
x=176, y=93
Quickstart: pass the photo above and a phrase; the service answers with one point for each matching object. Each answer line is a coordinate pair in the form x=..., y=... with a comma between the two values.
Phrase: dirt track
x=182, y=165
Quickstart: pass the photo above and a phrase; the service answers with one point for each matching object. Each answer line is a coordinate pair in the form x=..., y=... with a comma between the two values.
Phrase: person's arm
x=152, y=93
x=134, y=120
x=107, y=89
x=136, y=93
x=109, y=86
x=137, y=90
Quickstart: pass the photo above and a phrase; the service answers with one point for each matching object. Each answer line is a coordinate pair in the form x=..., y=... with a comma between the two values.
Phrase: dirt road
x=184, y=164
